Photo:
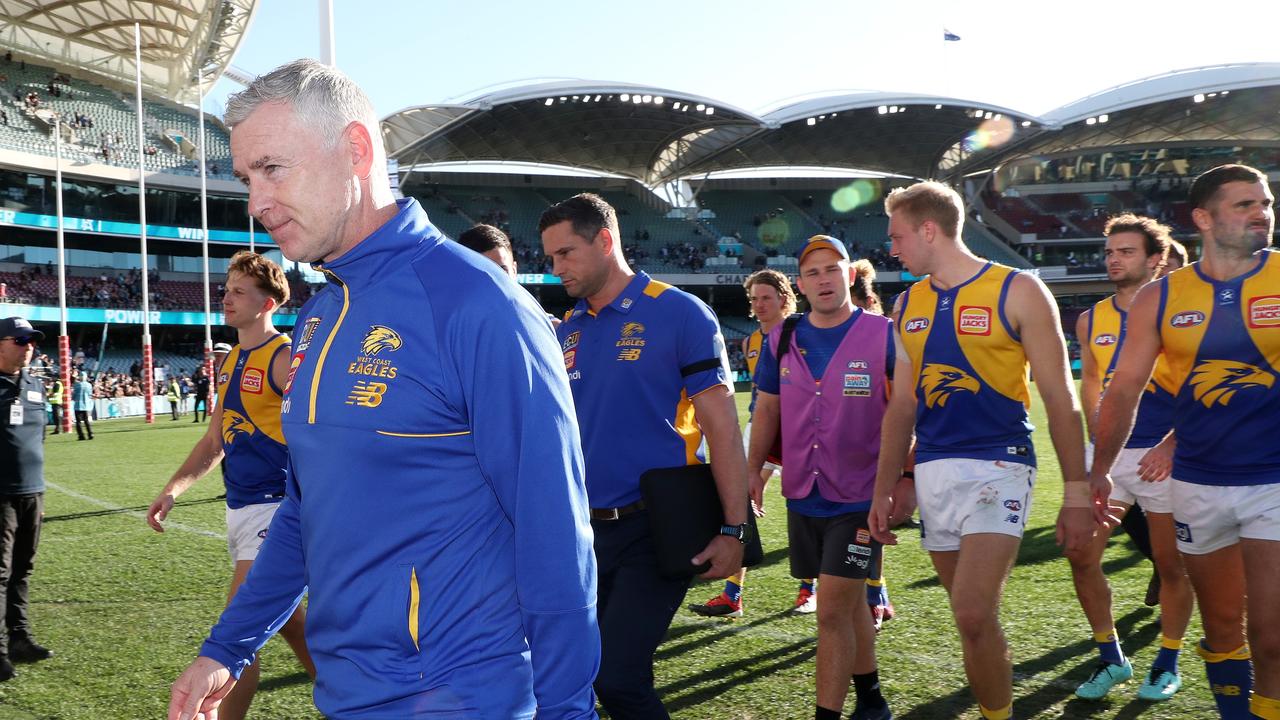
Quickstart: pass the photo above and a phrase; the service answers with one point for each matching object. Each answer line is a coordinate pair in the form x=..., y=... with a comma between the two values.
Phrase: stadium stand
x=100, y=124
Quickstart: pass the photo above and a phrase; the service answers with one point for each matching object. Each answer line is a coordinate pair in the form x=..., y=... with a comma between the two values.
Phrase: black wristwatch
x=737, y=532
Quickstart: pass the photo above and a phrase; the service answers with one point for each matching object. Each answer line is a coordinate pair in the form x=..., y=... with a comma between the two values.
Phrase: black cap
x=18, y=327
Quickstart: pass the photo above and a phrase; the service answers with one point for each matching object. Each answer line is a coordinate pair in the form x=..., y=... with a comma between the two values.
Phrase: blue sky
x=1031, y=55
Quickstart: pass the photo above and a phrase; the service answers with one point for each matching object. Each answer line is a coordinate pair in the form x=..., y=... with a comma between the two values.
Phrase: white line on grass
x=135, y=513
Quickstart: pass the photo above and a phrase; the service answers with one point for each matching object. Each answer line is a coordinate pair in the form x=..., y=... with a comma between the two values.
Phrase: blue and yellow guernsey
x=970, y=371
x=1222, y=341
x=254, y=471
x=435, y=507
x=1106, y=334
x=754, y=342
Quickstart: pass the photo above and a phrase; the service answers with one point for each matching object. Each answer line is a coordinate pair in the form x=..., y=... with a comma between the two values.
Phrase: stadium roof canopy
x=634, y=131
x=181, y=39
x=1219, y=106
x=655, y=135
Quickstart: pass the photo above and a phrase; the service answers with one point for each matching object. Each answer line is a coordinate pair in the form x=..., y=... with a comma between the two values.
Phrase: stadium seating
x=167, y=129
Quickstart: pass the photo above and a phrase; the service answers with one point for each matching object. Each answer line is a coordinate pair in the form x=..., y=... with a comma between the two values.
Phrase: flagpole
x=204, y=249
x=148, y=376
x=64, y=340
x=251, y=248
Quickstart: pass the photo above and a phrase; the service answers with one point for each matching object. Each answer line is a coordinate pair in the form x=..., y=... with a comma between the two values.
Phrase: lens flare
x=990, y=134
x=774, y=232
x=855, y=195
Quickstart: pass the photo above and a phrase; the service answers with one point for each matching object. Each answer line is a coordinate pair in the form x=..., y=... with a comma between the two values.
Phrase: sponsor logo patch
x=571, y=341
x=1264, y=312
x=251, y=381
x=1012, y=518
x=857, y=385
x=366, y=394
x=1183, y=531
x=974, y=320
x=308, y=332
x=1013, y=505
x=262, y=534
x=863, y=536
x=570, y=359
x=1189, y=318
x=915, y=325
x=293, y=370
x=1105, y=340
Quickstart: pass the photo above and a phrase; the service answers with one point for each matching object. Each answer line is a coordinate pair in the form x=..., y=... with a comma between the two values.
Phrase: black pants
x=82, y=416
x=201, y=403
x=635, y=607
x=57, y=418
x=20, y=517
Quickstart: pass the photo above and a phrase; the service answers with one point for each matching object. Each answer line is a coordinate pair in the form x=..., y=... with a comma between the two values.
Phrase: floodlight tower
x=326, y=33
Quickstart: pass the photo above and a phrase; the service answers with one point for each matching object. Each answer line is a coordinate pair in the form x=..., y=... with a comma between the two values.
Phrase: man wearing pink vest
x=826, y=389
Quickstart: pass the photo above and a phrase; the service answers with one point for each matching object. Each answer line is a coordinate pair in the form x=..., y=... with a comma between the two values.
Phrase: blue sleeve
x=274, y=587
x=767, y=369
x=527, y=443
x=701, y=354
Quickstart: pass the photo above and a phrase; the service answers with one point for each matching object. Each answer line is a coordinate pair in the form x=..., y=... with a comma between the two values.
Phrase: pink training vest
x=831, y=430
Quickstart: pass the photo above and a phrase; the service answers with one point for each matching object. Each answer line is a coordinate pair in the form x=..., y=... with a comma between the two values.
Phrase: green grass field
x=125, y=610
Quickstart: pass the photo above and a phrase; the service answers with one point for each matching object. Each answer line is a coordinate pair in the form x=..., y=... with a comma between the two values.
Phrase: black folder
x=685, y=514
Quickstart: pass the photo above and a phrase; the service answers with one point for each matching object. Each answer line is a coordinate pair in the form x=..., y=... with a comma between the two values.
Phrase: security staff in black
x=22, y=400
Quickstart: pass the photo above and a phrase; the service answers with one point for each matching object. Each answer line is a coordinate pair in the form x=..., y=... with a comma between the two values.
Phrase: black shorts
x=841, y=546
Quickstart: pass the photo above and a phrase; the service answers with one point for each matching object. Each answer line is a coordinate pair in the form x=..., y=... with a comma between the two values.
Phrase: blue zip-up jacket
x=435, y=505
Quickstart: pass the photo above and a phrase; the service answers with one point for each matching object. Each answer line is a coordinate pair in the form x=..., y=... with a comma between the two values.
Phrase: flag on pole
x=948, y=36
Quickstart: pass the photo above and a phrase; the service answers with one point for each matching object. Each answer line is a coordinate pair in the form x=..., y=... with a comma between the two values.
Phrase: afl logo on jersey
x=1264, y=311
x=1189, y=318
x=975, y=321
x=1105, y=340
x=915, y=325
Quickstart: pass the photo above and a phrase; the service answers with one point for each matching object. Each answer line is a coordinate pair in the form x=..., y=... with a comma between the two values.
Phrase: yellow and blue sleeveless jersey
x=969, y=370
x=634, y=368
x=755, y=341
x=254, y=470
x=1222, y=341
x=1105, y=336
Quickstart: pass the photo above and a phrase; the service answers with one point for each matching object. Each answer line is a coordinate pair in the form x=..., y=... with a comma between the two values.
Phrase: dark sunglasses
x=23, y=341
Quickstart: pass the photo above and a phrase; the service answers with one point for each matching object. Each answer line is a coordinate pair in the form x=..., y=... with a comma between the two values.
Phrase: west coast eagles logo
x=379, y=338
x=632, y=329
x=939, y=381
x=1216, y=381
x=233, y=424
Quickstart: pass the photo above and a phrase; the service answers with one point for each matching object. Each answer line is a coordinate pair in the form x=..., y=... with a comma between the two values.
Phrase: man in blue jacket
x=432, y=446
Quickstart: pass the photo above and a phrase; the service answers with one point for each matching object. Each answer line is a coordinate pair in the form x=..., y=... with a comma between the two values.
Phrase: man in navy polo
x=650, y=380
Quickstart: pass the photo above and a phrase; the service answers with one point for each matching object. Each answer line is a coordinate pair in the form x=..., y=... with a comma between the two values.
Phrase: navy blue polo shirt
x=634, y=368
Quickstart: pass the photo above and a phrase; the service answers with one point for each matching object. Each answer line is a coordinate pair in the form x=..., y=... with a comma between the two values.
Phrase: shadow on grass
x=1053, y=690
x=284, y=681
x=120, y=511
x=712, y=630
x=735, y=675
x=1039, y=547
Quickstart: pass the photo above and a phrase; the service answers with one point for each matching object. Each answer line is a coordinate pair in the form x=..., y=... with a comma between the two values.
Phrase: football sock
x=1109, y=647
x=733, y=587
x=877, y=592
x=1230, y=677
x=867, y=686
x=1004, y=713
x=1167, y=656
x=1264, y=707
x=807, y=584
x=821, y=713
